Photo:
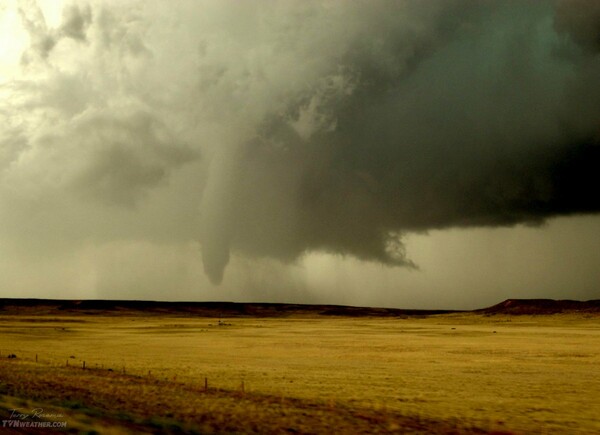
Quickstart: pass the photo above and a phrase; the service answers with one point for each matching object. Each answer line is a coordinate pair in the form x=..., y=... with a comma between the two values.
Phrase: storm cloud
x=273, y=129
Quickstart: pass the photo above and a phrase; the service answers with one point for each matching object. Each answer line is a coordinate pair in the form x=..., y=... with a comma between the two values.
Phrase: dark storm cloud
x=476, y=122
x=581, y=20
x=322, y=126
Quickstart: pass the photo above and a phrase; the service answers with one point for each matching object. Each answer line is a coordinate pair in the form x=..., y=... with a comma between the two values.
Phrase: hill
x=542, y=306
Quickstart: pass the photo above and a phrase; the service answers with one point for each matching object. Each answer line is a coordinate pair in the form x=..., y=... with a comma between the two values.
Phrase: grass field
x=450, y=373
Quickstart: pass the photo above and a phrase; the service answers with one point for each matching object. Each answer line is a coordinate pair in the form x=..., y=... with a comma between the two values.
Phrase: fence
x=62, y=361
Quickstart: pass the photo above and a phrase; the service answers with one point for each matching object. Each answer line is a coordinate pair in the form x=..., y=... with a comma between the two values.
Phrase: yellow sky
x=14, y=39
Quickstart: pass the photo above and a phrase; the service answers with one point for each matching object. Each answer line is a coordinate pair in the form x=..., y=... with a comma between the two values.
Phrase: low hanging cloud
x=309, y=126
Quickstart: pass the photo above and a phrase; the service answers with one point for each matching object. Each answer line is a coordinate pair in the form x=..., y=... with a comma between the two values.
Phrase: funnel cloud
x=271, y=130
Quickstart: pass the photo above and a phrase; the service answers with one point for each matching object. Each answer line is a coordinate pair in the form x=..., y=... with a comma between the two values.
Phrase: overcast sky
x=419, y=154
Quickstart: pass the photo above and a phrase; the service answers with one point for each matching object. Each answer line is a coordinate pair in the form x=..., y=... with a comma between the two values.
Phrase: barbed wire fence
x=61, y=360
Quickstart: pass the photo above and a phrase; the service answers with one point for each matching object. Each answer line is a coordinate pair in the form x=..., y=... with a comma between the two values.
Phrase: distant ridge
x=201, y=309
x=59, y=307
x=542, y=306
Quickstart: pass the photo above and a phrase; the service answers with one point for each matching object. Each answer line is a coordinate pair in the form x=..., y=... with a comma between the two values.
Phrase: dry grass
x=522, y=374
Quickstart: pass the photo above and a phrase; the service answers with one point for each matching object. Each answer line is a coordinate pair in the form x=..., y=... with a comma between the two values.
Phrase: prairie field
x=446, y=373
